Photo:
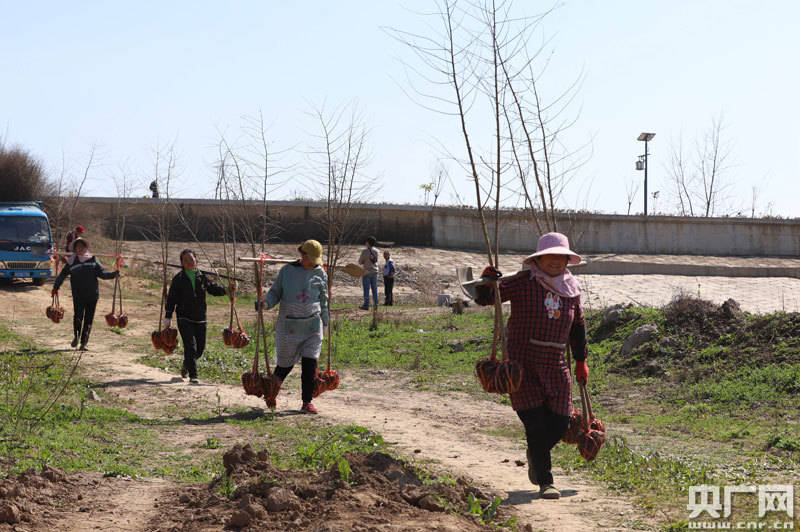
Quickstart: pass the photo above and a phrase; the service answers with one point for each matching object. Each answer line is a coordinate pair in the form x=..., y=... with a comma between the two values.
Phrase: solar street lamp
x=641, y=164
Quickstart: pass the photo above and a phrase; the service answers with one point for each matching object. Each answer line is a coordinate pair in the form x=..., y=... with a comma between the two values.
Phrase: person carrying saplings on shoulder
x=187, y=296
x=301, y=288
x=84, y=270
x=546, y=313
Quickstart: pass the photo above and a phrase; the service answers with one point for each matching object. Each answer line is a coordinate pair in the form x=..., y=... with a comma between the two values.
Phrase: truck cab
x=25, y=242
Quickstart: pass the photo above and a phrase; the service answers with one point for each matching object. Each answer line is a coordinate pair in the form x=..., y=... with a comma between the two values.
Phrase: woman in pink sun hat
x=546, y=314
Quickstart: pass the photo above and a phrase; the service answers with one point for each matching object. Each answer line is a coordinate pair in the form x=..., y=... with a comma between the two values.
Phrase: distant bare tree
x=682, y=179
x=338, y=162
x=712, y=154
x=66, y=194
x=700, y=181
x=250, y=169
x=631, y=190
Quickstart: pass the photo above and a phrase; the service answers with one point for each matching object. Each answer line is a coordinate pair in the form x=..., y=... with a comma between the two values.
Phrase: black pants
x=193, y=335
x=83, y=318
x=388, y=286
x=543, y=429
x=309, y=371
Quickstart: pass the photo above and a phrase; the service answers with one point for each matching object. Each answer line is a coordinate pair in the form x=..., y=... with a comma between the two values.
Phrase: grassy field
x=712, y=398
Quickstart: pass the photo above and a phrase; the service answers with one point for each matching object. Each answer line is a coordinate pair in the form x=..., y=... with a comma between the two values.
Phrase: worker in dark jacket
x=187, y=295
x=84, y=270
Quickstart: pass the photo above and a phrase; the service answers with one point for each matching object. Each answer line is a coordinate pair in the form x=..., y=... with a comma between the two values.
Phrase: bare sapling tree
x=682, y=179
x=67, y=191
x=164, y=167
x=481, y=60
x=712, y=162
x=483, y=70
x=631, y=191
x=439, y=176
x=699, y=182
x=337, y=164
x=250, y=170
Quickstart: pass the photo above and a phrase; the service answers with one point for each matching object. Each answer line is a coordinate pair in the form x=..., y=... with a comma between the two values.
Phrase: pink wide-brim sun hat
x=554, y=244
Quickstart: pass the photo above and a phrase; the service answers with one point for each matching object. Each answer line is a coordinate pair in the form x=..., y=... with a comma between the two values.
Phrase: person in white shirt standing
x=369, y=261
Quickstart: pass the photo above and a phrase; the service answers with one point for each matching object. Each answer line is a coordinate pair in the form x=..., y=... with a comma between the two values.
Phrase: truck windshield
x=27, y=229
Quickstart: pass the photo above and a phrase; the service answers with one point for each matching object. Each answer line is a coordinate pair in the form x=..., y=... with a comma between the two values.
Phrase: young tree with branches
x=337, y=161
x=699, y=181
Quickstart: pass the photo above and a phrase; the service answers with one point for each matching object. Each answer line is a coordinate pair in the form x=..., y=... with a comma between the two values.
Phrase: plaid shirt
x=537, y=313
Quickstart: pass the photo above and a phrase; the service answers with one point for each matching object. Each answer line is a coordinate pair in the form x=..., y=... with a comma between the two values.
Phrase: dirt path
x=119, y=504
x=445, y=429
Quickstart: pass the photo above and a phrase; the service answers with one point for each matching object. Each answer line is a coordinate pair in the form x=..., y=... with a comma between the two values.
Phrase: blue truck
x=25, y=242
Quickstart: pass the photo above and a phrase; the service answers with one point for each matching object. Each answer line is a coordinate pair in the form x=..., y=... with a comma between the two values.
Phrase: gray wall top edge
x=270, y=203
x=561, y=215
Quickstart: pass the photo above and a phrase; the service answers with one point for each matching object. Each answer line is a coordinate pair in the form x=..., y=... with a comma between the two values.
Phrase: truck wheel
x=38, y=281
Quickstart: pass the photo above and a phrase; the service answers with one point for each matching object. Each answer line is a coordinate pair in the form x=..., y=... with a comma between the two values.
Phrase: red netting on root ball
x=111, y=319
x=253, y=383
x=599, y=426
x=267, y=386
x=55, y=311
x=331, y=376
x=494, y=375
x=589, y=433
x=576, y=428
x=320, y=386
x=271, y=386
x=326, y=381
x=169, y=349
x=234, y=337
x=590, y=443
x=155, y=339
x=240, y=339
x=169, y=337
x=486, y=371
x=508, y=377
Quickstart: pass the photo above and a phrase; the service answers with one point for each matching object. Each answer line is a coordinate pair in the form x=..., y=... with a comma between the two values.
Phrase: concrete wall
x=459, y=228
x=283, y=221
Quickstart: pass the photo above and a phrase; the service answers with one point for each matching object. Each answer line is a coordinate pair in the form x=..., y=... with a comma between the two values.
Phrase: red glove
x=581, y=371
x=491, y=273
x=53, y=292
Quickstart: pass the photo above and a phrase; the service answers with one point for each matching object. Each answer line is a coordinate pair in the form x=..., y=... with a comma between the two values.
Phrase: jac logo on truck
x=22, y=248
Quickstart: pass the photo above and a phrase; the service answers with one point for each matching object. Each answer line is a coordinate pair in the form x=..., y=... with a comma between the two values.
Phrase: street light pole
x=646, y=137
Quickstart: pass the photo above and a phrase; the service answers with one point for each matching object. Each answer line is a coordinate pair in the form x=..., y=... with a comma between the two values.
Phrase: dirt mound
x=687, y=315
x=361, y=492
x=691, y=338
x=31, y=496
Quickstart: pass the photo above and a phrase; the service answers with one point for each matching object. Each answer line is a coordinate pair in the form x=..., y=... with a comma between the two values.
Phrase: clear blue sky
x=127, y=76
